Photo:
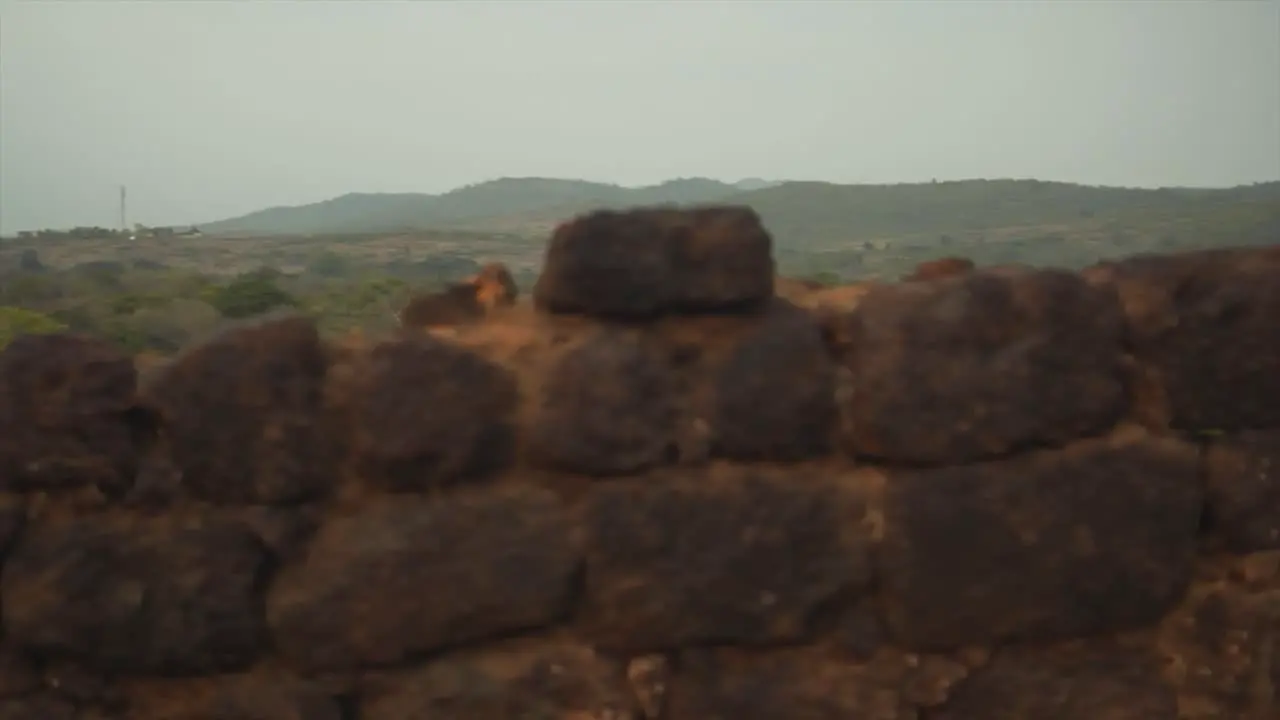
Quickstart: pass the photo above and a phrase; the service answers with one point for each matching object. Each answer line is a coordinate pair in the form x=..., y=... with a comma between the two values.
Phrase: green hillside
x=515, y=200
x=802, y=215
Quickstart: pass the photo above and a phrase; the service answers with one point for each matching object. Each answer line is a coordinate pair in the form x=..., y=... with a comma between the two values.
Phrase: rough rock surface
x=1205, y=324
x=243, y=415
x=775, y=396
x=607, y=407
x=128, y=595
x=749, y=560
x=66, y=414
x=432, y=415
x=407, y=576
x=1095, y=538
x=984, y=364
x=653, y=261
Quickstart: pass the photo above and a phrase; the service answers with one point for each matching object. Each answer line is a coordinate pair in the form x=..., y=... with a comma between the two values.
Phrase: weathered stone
x=651, y=261
x=37, y=707
x=283, y=530
x=243, y=415
x=406, y=576
x=859, y=631
x=1244, y=490
x=607, y=407
x=1222, y=646
x=976, y=366
x=775, y=397
x=782, y=685
x=1064, y=684
x=1100, y=536
x=749, y=560
x=433, y=415
x=235, y=698
x=125, y=595
x=66, y=414
x=723, y=259
x=18, y=674
x=1205, y=324
x=13, y=517
x=607, y=263
x=558, y=682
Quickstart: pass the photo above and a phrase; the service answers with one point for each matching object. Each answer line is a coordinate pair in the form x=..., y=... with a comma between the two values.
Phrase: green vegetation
x=15, y=321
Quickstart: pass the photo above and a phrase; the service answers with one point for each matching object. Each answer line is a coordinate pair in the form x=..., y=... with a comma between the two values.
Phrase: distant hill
x=523, y=199
x=803, y=216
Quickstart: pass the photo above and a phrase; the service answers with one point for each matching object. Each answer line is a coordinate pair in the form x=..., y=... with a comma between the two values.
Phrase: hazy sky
x=212, y=109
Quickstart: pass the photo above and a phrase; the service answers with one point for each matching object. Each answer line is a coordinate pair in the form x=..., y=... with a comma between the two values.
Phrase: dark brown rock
x=607, y=407
x=1244, y=490
x=782, y=685
x=66, y=414
x=283, y=530
x=433, y=415
x=236, y=698
x=651, y=261
x=775, y=397
x=13, y=517
x=1205, y=324
x=244, y=415
x=558, y=682
x=18, y=674
x=1098, y=537
x=723, y=259
x=979, y=365
x=406, y=576
x=38, y=707
x=748, y=560
x=859, y=631
x=123, y=595
x=1064, y=684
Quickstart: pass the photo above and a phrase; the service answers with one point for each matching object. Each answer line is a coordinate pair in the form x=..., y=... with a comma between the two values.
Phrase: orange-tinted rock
x=554, y=682
x=1244, y=490
x=940, y=268
x=244, y=415
x=607, y=407
x=1098, y=537
x=464, y=302
x=406, y=576
x=66, y=405
x=745, y=561
x=1101, y=683
x=653, y=261
x=981, y=365
x=455, y=305
x=1223, y=645
x=775, y=396
x=1206, y=324
x=430, y=414
x=235, y=698
x=134, y=596
x=785, y=685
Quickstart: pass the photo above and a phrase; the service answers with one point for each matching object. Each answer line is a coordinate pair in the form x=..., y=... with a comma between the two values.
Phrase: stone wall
x=658, y=491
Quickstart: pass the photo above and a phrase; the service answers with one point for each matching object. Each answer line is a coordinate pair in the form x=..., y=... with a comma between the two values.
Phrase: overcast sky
x=212, y=109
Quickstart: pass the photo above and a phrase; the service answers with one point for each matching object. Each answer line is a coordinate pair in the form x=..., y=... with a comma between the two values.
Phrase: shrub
x=15, y=321
x=248, y=295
